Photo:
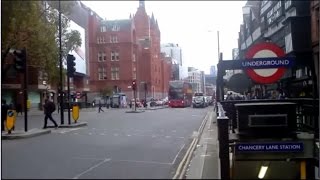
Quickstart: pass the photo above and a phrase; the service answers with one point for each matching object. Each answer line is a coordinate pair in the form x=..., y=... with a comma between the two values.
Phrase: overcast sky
x=191, y=24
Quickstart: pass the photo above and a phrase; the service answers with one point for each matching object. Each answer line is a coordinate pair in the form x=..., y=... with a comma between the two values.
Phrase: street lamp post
x=60, y=66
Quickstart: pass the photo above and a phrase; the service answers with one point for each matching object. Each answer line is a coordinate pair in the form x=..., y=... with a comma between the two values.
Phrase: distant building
x=213, y=71
x=172, y=50
x=125, y=50
x=197, y=79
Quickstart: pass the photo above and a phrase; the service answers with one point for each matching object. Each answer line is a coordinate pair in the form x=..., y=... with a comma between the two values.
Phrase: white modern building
x=197, y=79
x=213, y=71
x=180, y=72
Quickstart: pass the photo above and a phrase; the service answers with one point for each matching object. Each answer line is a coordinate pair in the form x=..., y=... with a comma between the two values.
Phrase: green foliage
x=35, y=26
x=107, y=91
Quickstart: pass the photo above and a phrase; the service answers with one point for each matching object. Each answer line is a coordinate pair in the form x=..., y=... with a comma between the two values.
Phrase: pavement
x=35, y=127
x=205, y=161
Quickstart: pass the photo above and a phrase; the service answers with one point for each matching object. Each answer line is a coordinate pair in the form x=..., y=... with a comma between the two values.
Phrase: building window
x=99, y=56
x=113, y=39
x=102, y=73
x=104, y=55
x=103, y=29
x=133, y=57
x=115, y=73
x=115, y=28
x=134, y=75
x=100, y=40
x=134, y=69
x=114, y=56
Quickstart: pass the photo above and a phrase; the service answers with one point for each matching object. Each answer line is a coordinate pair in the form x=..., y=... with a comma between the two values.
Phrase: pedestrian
x=19, y=108
x=4, y=109
x=49, y=107
x=100, y=107
x=108, y=102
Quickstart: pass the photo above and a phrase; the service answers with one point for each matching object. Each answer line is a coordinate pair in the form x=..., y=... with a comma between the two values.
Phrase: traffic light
x=71, y=65
x=134, y=85
x=20, y=60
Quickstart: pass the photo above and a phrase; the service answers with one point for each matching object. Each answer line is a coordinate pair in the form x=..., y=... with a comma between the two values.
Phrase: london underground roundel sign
x=265, y=50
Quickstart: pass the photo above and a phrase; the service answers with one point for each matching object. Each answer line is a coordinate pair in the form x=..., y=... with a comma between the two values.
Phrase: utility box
x=270, y=119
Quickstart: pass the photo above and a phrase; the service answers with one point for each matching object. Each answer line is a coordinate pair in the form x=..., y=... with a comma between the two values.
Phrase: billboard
x=80, y=52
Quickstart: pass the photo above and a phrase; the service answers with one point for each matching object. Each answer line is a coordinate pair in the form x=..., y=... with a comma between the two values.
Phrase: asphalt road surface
x=115, y=144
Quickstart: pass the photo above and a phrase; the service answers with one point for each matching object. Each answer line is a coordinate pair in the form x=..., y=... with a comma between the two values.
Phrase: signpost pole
x=68, y=82
x=25, y=92
x=60, y=67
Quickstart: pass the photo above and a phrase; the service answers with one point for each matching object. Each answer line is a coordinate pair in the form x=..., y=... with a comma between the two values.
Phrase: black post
x=223, y=137
x=68, y=82
x=145, y=92
x=25, y=91
x=60, y=66
x=135, y=100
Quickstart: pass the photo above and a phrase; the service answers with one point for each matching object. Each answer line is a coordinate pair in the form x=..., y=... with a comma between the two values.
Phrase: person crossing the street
x=100, y=107
x=49, y=107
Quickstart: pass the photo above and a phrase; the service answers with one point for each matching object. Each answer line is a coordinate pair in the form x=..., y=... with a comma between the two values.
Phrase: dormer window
x=115, y=27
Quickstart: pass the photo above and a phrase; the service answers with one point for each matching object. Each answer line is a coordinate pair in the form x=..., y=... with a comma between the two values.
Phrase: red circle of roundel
x=265, y=46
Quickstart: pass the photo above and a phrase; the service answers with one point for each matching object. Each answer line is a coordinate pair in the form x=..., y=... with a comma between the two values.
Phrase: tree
x=107, y=91
x=34, y=25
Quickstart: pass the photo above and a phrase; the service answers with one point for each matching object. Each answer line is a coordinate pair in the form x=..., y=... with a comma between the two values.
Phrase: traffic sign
x=265, y=50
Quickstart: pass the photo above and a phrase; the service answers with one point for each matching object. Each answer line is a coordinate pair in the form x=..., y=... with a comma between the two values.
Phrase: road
x=115, y=144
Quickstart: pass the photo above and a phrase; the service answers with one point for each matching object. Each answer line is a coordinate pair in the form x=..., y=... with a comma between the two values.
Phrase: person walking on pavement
x=49, y=108
x=4, y=109
x=100, y=107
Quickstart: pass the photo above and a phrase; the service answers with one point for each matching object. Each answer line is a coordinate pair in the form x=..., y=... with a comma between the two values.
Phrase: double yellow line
x=181, y=170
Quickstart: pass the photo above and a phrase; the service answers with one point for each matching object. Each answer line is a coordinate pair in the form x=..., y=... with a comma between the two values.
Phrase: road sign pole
x=60, y=67
x=68, y=82
x=135, y=100
x=25, y=91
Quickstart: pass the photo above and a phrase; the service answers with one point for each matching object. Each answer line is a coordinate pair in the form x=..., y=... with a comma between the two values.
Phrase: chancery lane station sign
x=270, y=147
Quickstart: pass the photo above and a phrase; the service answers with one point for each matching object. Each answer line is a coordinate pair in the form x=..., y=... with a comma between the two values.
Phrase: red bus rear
x=180, y=94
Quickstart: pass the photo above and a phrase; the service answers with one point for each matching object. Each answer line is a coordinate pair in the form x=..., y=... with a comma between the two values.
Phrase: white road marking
x=90, y=133
x=175, y=158
x=128, y=135
x=168, y=136
x=89, y=158
x=205, y=155
x=91, y=168
x=147, y=162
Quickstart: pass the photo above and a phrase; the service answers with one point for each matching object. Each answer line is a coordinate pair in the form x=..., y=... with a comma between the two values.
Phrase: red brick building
x=123, y=50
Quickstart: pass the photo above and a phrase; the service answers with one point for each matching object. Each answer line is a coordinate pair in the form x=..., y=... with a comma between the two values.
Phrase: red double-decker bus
x=180, y=94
